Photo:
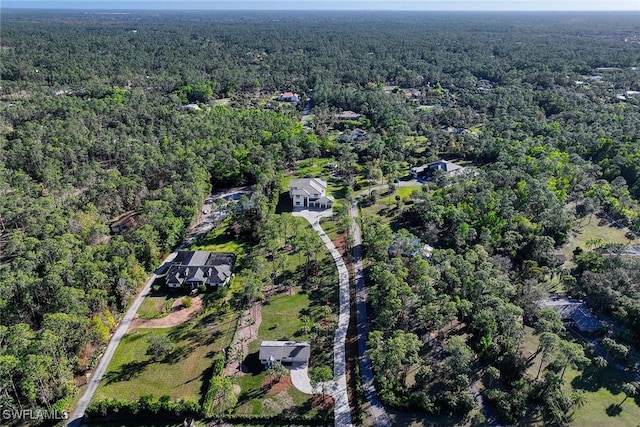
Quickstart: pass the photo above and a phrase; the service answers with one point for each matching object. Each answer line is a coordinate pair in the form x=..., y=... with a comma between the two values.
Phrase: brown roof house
x=125, y=222
x=190, y=269
x=289, y=97
x=285, y=352
x=309, y=193
x=348, y=115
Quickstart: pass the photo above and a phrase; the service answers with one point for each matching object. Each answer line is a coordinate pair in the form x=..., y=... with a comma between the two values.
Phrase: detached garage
x=284, y=352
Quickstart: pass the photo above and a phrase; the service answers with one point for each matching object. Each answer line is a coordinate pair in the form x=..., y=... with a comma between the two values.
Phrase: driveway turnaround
x=338, y=388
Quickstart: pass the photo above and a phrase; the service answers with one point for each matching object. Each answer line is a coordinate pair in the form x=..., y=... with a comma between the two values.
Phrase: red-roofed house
x=289, y=97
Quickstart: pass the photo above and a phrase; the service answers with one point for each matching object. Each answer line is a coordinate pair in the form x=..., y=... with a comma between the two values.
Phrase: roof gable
x=308, y=186
x=213, y=268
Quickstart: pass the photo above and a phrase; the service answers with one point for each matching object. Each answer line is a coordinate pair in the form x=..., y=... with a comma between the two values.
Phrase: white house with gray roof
x=309, y=193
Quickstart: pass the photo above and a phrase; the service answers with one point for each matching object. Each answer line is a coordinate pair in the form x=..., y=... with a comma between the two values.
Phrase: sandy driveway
x=247, y=332
x=179, y=314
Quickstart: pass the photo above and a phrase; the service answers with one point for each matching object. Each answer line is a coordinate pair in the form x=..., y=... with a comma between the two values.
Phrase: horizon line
x=21, y=7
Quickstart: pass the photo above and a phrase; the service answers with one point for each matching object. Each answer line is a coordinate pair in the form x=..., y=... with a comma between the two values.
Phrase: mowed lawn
x=179, y=375
x=601, y=388
x=282, y=317
x=403, y=192
x=280, y=321
x=220, y=240
x=592, y=229
x=157, y=304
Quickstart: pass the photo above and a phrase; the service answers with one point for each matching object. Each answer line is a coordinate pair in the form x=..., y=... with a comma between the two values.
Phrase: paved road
x=338, y=388
x=376, y=409
x=307, y=112
x=201, y=226
x=75, y=419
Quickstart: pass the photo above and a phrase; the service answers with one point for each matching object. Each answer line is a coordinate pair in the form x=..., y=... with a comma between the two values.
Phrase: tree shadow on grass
x=178, y=353
x=127, y=372
x=614, y=410
x=181, y=332
x=593, y=379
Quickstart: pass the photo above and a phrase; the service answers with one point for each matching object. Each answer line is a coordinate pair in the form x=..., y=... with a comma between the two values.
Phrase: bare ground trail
x=179, y=314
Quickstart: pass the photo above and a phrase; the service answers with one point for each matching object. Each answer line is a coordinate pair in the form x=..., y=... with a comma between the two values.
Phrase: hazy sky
x=332, y=4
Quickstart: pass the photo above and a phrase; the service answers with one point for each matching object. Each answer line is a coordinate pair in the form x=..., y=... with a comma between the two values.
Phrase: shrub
x=187, y=302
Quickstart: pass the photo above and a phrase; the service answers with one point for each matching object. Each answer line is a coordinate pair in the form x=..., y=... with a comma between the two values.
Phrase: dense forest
x=93, y=125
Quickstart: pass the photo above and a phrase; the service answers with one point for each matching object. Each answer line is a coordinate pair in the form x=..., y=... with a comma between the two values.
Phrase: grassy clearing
x=593, y=228
x=601, y=388
x=220, y=240
x=403, y=192
x=330, y=226
x=179, y=375
x=316, y=167
x=281, y=320
x=157, y=304
x=282, y=317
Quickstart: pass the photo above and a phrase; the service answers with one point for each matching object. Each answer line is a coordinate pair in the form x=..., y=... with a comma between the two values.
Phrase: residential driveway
x=338, y=387
x=76, y=417
x=300, y=377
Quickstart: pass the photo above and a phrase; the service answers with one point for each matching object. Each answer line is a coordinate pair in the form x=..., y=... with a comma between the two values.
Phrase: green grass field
x=157, y=304
x=601, y=388
x=280, y=321
x=282, y=318
x=132, y=373
x=592, y=229
x=220, y=240
x=403, y=192
x=316, y=167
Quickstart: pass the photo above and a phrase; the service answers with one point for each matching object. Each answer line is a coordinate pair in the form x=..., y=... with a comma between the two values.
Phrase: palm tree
x=594, y=243
x=629, y=390
x=276, y=371
x=579, y=398
x=548, y=343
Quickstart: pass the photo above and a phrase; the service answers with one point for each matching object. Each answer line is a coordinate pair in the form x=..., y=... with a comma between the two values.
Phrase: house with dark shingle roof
x=574, y=313
x=284, y=352
x=191, y=269
x=445, y=166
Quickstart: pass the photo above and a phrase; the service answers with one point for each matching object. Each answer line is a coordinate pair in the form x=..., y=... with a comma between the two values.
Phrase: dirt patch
x=282, y=385
x=247, y=332
x=85, y=354
x=322, y=402
x=339, y=243
x=179, y=314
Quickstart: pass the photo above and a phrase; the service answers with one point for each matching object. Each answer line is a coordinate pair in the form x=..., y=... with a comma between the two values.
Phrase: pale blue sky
x=331, y=4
